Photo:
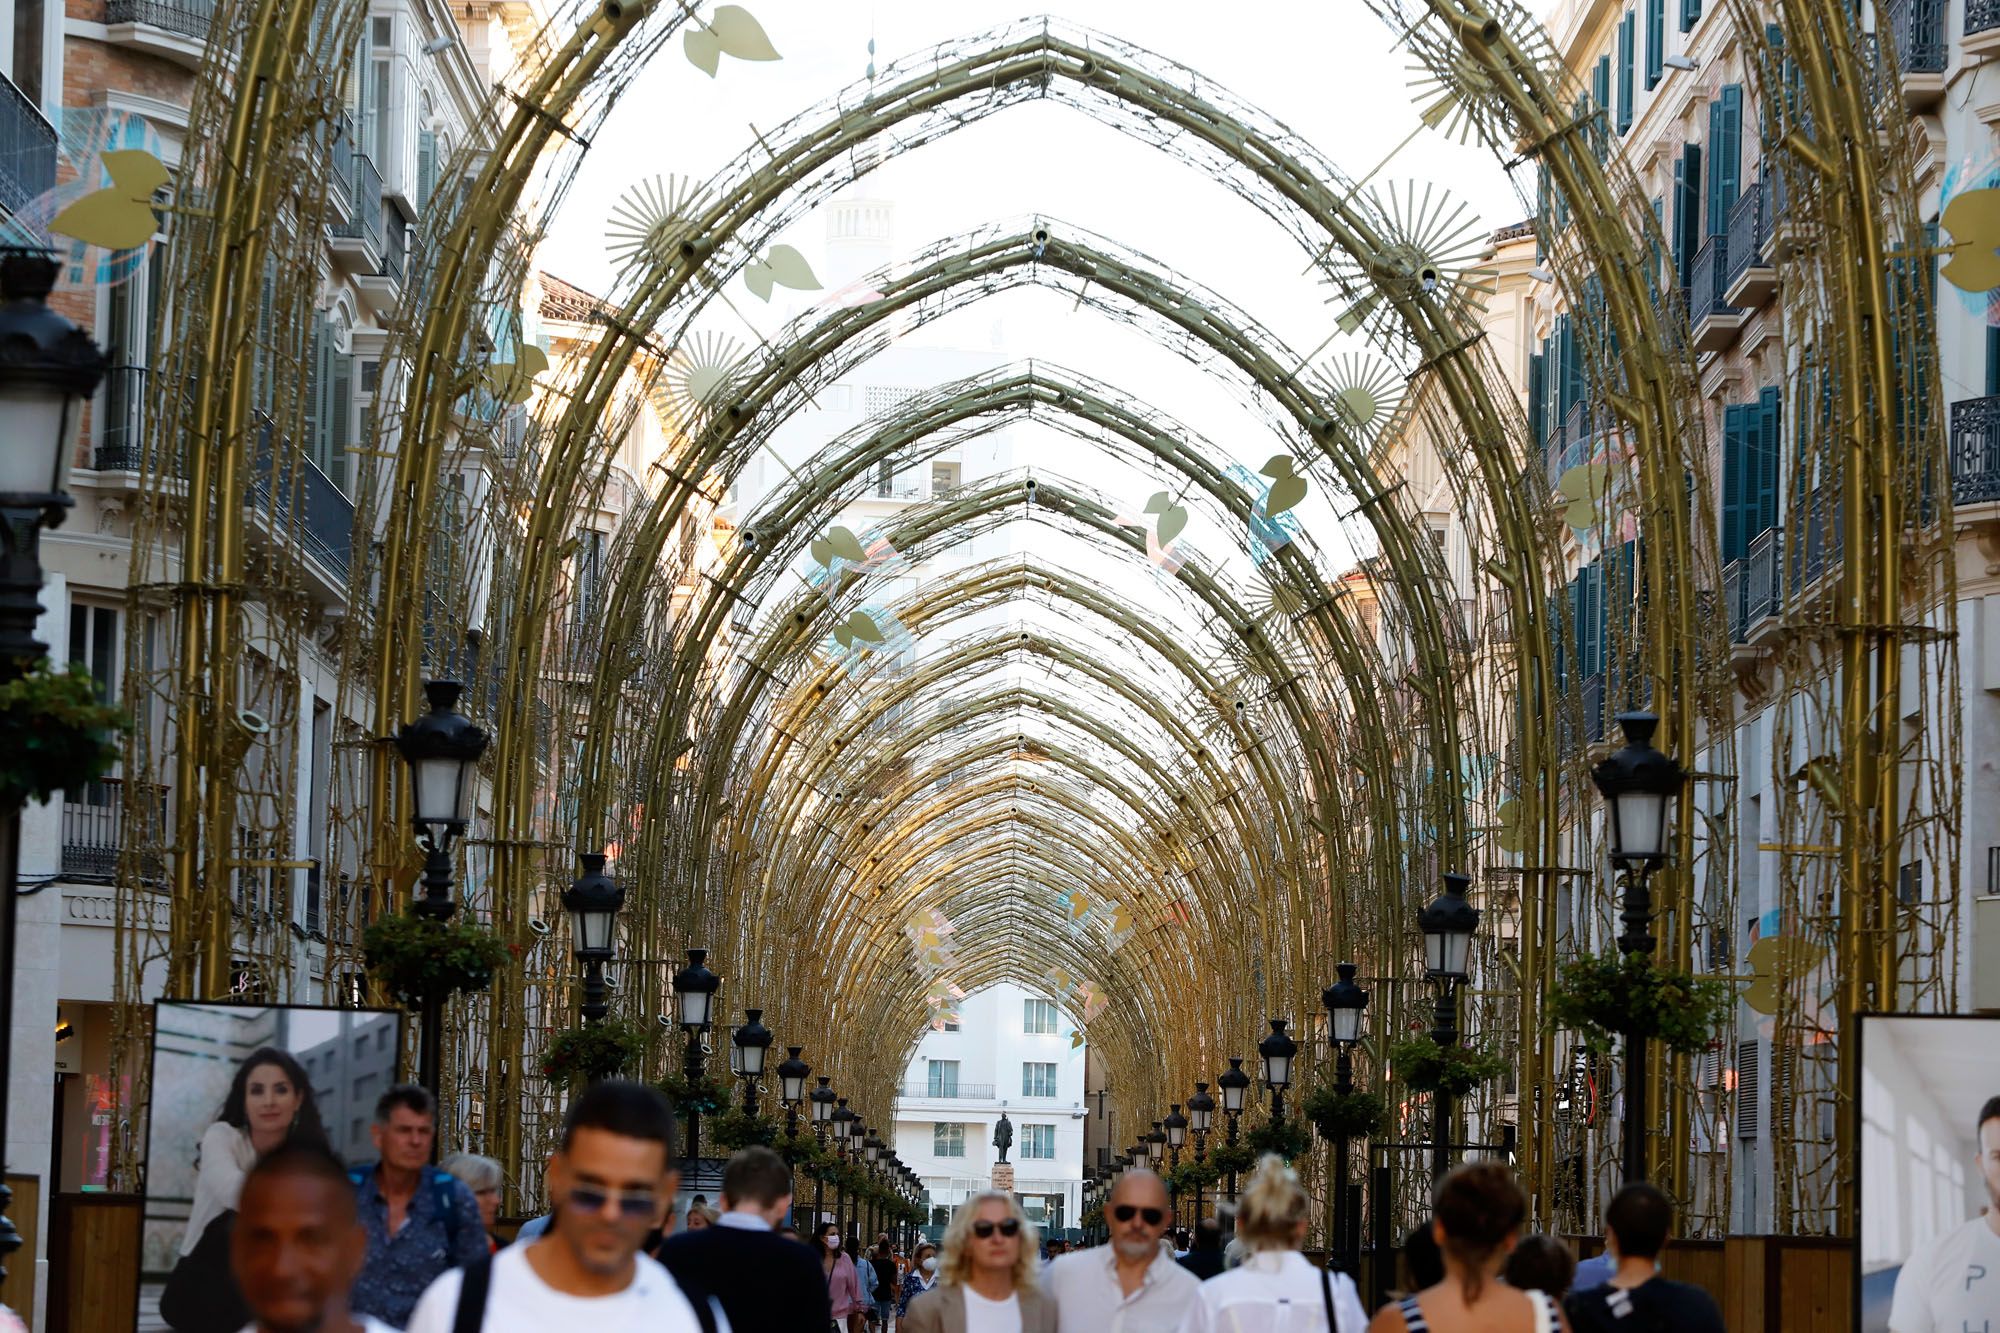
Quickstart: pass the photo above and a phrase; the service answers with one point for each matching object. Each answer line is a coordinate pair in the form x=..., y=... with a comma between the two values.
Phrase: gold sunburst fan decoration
x=1364, y=390
x=649, y=221
x=698, y=376
x=1432, y=244
x=1445, y=100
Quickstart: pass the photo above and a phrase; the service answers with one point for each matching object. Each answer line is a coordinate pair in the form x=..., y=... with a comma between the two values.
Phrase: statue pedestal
x=1003, y=1176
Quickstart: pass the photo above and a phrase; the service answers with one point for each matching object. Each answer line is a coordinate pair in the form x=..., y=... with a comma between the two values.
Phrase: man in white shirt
x=1133, y=1284
x=612, y=1181
x=1952, y=1283
x=298, y=1245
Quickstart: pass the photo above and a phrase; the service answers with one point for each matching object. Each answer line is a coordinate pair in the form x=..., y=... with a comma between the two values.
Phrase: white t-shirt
x=1950, y=1283
x=369, y=1324
x=1274, y=1291
x=518, y=1299
x=984, y=1316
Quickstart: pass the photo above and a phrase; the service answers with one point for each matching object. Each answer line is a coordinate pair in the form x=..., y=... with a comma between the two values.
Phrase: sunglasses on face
x=592, y=1198
x=1125, y=1212
x=1006, y=1226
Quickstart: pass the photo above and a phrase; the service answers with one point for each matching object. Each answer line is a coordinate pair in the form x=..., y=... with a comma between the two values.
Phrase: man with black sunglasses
x=611, y=1181
x=1133, y=1284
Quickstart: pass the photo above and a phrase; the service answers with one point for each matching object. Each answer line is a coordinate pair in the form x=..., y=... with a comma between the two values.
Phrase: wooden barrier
x=94, y=1262
x=17, y=1289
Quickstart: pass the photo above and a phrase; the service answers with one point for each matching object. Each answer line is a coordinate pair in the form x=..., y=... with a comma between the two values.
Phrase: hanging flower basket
x=1456, y=1070
x=418, y=959
x=1605, y=996
x=1093, y=1217
x=703, y=1096
x=1344, y=1115
x=55, y=735
x=1287, y=1138
x=1238, y=1157
x=802, y=1149
x=736, y=1128
x=1191, y=1176
x=604, y=1049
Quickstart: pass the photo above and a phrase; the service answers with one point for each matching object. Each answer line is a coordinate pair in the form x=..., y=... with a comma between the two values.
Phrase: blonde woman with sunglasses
x=986, y=1279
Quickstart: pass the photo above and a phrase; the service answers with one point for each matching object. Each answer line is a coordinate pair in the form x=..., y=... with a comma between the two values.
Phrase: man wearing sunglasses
x=611, y=1181
x=1133, y=1284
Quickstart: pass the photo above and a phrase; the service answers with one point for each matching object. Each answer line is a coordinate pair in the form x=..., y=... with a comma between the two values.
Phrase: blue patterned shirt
x=436, y=1235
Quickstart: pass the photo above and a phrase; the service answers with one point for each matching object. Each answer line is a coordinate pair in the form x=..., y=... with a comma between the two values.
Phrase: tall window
x=947, y=1140
x=1038, y=1079
x=28, y=49
x=1038, y=1016
x=1038, y=1141
x=943, y=1078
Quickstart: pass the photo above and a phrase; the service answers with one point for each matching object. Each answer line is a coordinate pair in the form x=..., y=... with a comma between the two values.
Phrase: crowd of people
x=310, y=1245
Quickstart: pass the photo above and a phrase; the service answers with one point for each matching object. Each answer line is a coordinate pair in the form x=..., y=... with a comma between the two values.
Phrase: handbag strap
x=472, y=1292
x=1326, y=1294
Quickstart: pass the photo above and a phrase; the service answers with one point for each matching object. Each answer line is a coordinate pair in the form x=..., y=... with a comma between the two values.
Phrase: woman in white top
x=1275, y=1289
x=270, y=1101
x=987, y=1277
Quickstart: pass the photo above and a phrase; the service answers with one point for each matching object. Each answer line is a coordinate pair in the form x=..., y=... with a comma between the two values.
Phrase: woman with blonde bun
x=987, y=1279
x=1275, y=1289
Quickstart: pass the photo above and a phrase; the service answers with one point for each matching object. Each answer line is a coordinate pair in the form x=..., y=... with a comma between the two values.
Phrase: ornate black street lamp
x=1156, y=1146
x=841, y=1122
x=1201, y=1115
x=1276, y=1051
x=1447, y=925
x=442, y=749
x=694, y=992
x=1640, y=786
x=49, y=368
x=1344, y=1002
x=593, y=902
x=822, y=1099
x=1233, y=1084
x=753, y=1043
x=792, y=1075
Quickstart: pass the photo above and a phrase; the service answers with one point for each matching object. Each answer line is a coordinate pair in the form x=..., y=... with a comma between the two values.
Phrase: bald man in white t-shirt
x=1952, y=1283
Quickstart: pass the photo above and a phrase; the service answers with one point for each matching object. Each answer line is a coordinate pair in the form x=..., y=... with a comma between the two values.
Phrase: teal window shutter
x=1737, y=485
x=1725, y=156
x=1626, y=31
x=1590, y=625
x=1654, y=247
x=1690, y=14
x=1656, y=41
x=1992, y=361
x=1537, y=397
x=1770, y=448
x=1600, y=121
x=317, y=372
x=340, y=410
x=426, y=167
x=1691, y=219
x=1600, y=83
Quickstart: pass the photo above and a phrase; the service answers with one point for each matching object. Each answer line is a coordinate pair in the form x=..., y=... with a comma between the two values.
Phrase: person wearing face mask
x=269, y=1104
x=987, y=1276
x=1132, y=1284
x=848, y=1311
x=920, y=1279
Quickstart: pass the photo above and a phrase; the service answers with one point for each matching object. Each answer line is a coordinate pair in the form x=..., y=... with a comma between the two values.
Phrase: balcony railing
x=1763, y=589
x=1975, y=451
x=314, y=510
x=967, y=1092
x=365, y=190
x=27, y=149
x=1919, y=29
x=1710, y=281
x=1748, y=231
x=1732, y=598
x=340, y=154
x=122, y=434
x=93, y=832
x=1819, y=540
x=1981, y=16
x=397, y=250
x=189, y=18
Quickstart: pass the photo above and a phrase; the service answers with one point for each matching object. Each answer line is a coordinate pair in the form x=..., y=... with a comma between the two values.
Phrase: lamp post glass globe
x=871, y=1148
x=45, y=383
x=1276, y=1051
x=696, y=986
x=593, y=902
x=442, y=749
x=1201, y=1109
x=822, y=1099
x=1448, y=924
x=1156, y=1144
x=1639, y=785
x=1176, y=1126
x=1344, y=1002
x=792, y=1075
x=752, y=1040
x=1233, y=1084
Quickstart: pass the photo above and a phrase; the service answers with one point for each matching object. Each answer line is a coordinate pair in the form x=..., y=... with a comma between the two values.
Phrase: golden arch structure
x=1197, y=804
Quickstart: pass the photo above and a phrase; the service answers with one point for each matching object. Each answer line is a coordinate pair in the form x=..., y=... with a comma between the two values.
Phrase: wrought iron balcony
x=340, y=157
x=365, y=222
x=189, y=18
x=1715, y=320
x=93, y=832
x=1732, y=599
x=27, y=149
x=1819, y=540
x=310, y=509
x=1748, y=231
x=1918, y=26
x=1981, y=16
x=1763, y=588
x=1975, y=451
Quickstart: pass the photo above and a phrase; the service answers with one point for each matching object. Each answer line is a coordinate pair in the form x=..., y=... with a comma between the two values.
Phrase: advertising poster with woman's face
x=1930, y=1174
x=230, y=1083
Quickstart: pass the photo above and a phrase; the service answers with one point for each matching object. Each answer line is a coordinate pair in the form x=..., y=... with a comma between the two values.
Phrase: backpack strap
x=1413, y=1315
x=705, y=1314
x=472, y=1293
x=446, y=1187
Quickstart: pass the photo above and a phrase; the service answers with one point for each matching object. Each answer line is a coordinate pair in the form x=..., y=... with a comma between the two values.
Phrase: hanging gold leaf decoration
x=782, y=265
x=858, y=628
x=1287, y=487
x=1775, y=960
x=514, y=381
x=1172, y=517
x=1585, y=487
x=1973, y=219
x=731, y=31
x=119, y=216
